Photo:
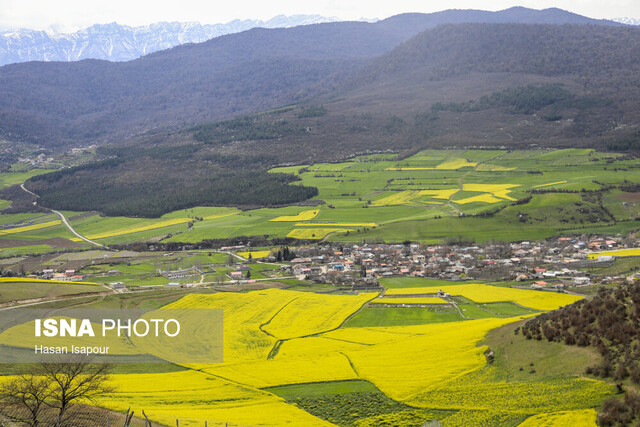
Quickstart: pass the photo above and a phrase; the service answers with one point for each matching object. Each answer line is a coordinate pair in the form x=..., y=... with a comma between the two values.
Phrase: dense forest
x=151, y=182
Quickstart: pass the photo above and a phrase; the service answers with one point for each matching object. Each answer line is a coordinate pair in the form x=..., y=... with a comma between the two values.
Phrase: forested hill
x=608, y=55
x=610, y=323
x=66, y=103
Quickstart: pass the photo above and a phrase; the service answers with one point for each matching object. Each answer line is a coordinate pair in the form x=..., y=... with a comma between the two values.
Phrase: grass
x=354, y=403
x=549, y=359
x=17, y=291
x=398, y=316
x=406, y=200
x=290, y=392
x=415, y=282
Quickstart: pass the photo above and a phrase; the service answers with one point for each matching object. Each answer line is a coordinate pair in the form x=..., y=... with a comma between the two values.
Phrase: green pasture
x=17, y=291
x=322, y=389
x=400, y=316
x=395, y=195
x=7, y=179
x=417, y=282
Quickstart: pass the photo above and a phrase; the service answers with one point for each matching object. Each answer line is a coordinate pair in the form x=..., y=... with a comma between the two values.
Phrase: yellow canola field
x=539, y=300
x=617, y=253
x=416, y=300
x=497, y=190
x=302, y=216
x=286, y=370
x=220, y=215
x=407, y=196
x=249, y=318
x=547, y=185
x=315, y=233
x=456, y=163
x=582, y=418
x=342, y=224
x=23, y=280
x=243, y=314
x=23, y=336
x=485, y=198
x=404, y=360
x=254, y=254
x=30, y=227
x=195, y=397
x=320, y=312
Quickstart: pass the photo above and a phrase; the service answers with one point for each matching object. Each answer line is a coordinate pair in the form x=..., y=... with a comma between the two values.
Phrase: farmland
x=317, y=354
x=312, y=359
x=432, y=196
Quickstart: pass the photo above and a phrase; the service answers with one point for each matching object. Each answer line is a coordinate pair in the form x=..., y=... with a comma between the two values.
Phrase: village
x=555, y=263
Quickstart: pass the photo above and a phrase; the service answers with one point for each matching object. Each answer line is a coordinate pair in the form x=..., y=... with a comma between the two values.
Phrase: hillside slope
x=66, y=103
x=403, y=102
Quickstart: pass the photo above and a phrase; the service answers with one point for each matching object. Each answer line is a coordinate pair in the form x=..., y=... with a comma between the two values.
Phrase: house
x=581, y=281
x=539, y=284
x=236, y=275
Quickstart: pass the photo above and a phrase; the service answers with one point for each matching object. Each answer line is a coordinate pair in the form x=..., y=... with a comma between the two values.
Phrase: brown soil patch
x=630, y=197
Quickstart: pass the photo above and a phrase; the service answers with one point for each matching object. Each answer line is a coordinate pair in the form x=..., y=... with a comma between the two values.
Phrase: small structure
x=117, y=286
x=581, y=281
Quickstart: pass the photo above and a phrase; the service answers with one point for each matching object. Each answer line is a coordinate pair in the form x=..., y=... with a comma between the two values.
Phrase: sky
x=71, y=15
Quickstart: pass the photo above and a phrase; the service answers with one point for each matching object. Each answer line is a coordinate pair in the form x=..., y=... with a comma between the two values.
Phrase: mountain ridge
x=57, y=103
x=115, y=42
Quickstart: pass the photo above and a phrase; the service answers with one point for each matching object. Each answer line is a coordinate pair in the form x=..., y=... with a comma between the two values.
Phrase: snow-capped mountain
x=628, y=21
x=114, y=42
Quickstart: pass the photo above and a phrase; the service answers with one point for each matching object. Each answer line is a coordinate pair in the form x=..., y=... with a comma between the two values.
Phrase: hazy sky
x=73, y=14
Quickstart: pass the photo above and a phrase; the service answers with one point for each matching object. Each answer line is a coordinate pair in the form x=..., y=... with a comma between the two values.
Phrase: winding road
x=64, y=220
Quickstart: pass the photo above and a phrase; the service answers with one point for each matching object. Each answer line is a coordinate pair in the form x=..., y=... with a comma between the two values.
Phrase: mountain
x=456, y=85
x=56, y=104
x=114, y=42
x=628, y=21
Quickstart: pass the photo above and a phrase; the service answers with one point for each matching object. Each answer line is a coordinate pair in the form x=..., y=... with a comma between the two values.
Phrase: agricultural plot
x=416, y=300
x=539, y=300
x=431, y=196
x=194, y=397
x=278, y=340
x=616, y=253
x=15, y=289
x=581, y=417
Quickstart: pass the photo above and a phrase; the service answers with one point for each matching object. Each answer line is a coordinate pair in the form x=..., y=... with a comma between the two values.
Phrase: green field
x=17, y=291
x=392, y=316
x=416, y=282
x=433, y=196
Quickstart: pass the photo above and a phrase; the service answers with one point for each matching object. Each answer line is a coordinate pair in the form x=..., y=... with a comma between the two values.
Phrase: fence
x=87, y=416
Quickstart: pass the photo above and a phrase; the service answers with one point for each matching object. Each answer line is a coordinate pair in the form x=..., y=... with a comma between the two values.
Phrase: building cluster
x=557, y=262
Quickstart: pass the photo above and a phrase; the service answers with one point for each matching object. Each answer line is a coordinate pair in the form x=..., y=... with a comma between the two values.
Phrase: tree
x=73, y=382
x=24, y=398
x=58, y=386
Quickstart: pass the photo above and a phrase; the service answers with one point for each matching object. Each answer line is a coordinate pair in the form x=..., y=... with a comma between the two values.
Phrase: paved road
x=64, y=220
